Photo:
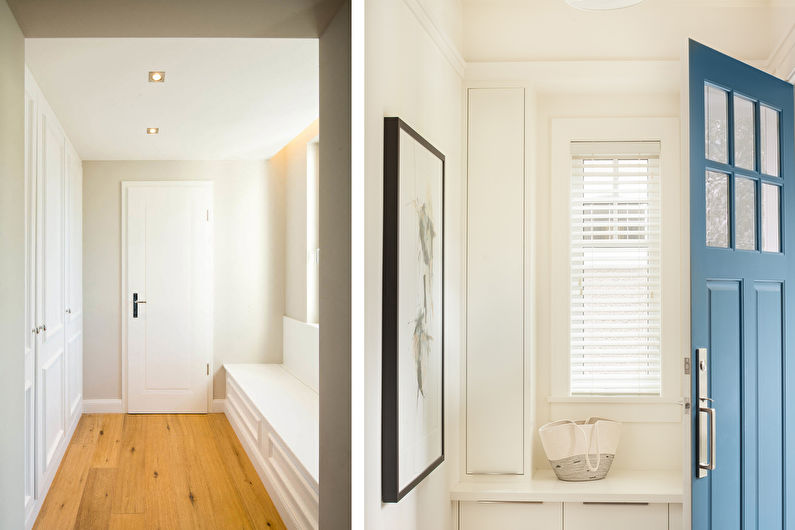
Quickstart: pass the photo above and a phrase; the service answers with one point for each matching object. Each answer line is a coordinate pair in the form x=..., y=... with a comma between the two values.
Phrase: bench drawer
x=511, y=516
x=615, y=516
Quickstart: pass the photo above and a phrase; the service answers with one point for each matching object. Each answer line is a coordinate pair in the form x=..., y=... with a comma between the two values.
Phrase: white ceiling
x=551, y=30
x=222, y=99
x=173, y=18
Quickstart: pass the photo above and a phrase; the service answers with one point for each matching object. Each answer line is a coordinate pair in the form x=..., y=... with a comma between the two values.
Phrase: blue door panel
x=741, y=312
x=725, y=314
x=769, y=407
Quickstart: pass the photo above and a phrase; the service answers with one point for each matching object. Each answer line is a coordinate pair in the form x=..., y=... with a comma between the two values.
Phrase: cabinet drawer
x=607, y=516
x=511, y=516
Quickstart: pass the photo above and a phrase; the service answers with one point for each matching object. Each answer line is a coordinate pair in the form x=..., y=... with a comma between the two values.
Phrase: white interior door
x=50, y=365
x=31, y=322
x=74, y=285
x=169, y=293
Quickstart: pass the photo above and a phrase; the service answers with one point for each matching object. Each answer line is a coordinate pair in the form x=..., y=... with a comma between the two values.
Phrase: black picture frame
x=390, y=414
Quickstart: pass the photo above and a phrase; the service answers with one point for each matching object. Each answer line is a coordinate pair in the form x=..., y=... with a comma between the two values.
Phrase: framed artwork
x=412, y=406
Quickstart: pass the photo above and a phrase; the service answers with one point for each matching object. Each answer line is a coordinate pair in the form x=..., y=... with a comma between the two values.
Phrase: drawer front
x=607, y=516
x=675, y=517
x=511, y=516
x=247, y=416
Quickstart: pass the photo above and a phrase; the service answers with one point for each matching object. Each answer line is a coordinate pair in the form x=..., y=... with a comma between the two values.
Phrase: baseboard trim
x=96, y=406
x=219, y=405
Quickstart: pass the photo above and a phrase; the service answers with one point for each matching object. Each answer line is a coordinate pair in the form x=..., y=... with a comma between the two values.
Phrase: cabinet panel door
x=30, y=300
x=580, y=516
x=495, y=282
x=51, y=372
x=74, y=286
x=511, y=516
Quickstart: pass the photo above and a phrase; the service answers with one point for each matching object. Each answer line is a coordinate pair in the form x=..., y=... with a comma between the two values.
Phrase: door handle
x=713, y=431
x=135, y=304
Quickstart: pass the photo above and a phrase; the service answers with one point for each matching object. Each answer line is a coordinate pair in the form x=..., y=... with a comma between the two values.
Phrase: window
x=615, y=335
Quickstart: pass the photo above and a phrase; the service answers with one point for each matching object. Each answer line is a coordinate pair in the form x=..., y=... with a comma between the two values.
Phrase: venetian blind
x=615, y=268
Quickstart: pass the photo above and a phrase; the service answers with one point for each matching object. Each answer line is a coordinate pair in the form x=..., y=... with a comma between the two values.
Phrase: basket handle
x=594, y=432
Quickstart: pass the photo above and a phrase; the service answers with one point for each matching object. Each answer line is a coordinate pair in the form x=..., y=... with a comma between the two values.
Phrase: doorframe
x=125, y=307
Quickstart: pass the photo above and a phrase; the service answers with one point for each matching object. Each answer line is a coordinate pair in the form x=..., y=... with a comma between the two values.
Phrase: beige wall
x=290, y=164
x=12, y=268
x=248, y=261
x=408, y=75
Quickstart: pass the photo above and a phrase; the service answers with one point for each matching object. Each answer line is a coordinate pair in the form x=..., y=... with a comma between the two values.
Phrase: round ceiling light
x=602, y=5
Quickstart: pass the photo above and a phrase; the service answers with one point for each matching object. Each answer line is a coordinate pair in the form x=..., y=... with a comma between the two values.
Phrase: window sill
x=627, y=400
x=626, y=409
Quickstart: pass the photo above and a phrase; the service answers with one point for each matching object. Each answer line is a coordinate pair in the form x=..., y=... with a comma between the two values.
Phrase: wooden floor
x=156, y=471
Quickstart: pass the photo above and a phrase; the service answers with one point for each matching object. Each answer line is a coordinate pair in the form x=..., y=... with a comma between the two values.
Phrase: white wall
x=411, y=72
x=290, y=165
x=248, y=260
x=12, y=268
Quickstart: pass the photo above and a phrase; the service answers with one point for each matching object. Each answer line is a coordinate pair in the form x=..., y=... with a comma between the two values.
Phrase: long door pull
x=713, y=443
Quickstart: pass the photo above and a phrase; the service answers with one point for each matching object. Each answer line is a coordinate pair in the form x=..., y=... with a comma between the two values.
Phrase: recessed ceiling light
x=157, y=77
x=602, y=5
x=152, y=130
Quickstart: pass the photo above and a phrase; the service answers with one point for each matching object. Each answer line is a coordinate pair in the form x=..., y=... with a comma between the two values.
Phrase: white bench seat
x=275, y=415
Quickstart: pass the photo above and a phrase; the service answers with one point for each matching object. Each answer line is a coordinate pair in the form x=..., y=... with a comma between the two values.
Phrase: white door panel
x=74, y=286
x=169, y=270
x=50, y=252
x=31, y=324
x=52, y=374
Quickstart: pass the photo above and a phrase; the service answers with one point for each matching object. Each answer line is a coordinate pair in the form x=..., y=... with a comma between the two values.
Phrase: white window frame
x=564, y=131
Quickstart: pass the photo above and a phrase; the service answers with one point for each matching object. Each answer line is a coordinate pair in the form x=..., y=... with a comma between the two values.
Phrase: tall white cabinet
x=54, y=308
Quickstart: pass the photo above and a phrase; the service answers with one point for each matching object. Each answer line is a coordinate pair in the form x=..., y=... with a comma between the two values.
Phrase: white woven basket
x=580, y=450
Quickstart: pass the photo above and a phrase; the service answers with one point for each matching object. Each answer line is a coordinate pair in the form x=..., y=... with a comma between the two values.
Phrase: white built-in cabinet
x=495, y=331
x=569, y=516
x=54, y=307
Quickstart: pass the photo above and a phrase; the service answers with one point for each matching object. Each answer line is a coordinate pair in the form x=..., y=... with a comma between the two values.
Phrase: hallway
x=156, y=471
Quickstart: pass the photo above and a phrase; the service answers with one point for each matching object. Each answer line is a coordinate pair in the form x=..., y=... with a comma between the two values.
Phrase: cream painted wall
x=408, y=75
x=290, y=164
x=248, y=259
x=12, y=268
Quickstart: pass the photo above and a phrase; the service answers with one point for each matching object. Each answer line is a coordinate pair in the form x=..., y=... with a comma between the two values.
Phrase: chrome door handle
x=713, y=431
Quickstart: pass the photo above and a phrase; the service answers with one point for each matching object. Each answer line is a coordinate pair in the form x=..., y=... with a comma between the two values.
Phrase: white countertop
x=288, y=405
x=620, y=485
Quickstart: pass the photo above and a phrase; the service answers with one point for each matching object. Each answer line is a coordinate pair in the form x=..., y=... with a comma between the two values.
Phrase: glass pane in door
x=770, y=218
x=717, y=209
x=717, y=123
x=745, y=213
x=744, y=133
x=768, y=127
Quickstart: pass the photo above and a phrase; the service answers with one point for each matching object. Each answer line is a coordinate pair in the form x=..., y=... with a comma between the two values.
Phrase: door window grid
x=742, y=190
x=615, y=331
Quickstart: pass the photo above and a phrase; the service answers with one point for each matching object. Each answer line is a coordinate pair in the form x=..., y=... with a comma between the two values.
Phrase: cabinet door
x=74, y=286
x=615, y=516
x=50, y=365
x=30, y=302
x=511, y=516
x=495, y=367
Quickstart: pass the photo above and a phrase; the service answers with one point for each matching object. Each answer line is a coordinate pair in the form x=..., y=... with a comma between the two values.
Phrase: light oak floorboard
x=159, y=471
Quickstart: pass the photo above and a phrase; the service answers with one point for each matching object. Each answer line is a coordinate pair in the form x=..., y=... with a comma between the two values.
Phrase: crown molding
x=439, y=38
x=782, y=60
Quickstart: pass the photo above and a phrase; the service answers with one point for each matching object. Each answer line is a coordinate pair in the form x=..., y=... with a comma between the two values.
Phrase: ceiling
x=222, y=99
x=550, y=30
x=173, y=18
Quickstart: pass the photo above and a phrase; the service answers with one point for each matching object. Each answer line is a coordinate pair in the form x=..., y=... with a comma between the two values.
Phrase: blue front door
x=742, y=273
